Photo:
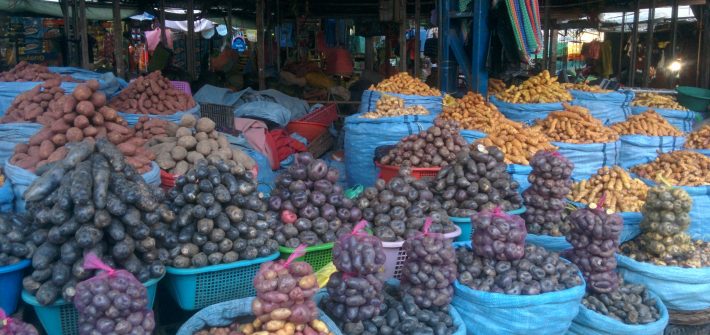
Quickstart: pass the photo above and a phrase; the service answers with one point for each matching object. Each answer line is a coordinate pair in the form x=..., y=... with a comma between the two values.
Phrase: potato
x=127, y=148
x=115, y=127
x=213, y=135
x=188, y=121
x=46, y=149
x=109, y=113
x=81, y=121
x=274, y=325
x=90, y=131
x=60, y=126
x=42, y=135
x=205, y=125
x=164, y=161
x=28, y=163
x=187, y=142
x=178, y=153
x=213, y=144
x=98, y=99
x=116, y=138
x=85, y=108
x=319, y=326
x=21, y=148
x=280, y=314
x=74, y=134
x=243, y=159
x=541, y=88
x=82, y=92
x=403, y=83
x=58, y=154
x=93, y=84
x=182, y=131
x=59, y=140
x=203, y=147
x=201, y=136
x=194, y=156
x=181, y=168
x=224, y=154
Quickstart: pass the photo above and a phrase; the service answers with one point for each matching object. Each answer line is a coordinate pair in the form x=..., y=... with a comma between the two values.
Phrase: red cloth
x=284, y=144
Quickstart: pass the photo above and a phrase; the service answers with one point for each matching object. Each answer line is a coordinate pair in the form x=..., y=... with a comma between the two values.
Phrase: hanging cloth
x=607, y=67
x=525, y=18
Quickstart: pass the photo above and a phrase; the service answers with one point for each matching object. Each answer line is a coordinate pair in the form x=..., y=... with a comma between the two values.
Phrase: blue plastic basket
x=201, y=287
x=467, y=228
x=62, y=318
x=11, y=285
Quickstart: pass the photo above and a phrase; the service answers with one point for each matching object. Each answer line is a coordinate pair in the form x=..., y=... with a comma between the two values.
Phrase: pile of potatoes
x=390, y=106
x=495, y=86
x=680, y=168
x=623, y=193
x=575, y=125
x=403, y=83
x=473, y=112
x=82, y=114
x=31, y=105
x=648, y=123
x=519, y=143
x=657, y=101
x=584, y=87
x=541, y=88
x=699, y=139
x=274, y=327
x=24, y=71
x=152, y=94
x=177, y=154
x=148, y=128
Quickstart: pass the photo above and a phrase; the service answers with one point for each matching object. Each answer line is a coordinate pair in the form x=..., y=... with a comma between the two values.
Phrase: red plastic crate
x=324, y=115
x=314, y=124
x=388, y=172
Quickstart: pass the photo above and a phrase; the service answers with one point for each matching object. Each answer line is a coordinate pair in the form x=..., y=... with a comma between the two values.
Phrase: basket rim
x=319, y=247
x=218, y=267
x=15, y=267
x=30, y=299
x=414, y=169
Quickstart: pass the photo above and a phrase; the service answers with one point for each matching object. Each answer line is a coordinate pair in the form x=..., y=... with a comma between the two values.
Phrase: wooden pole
x=649, y=44
x=417, y=39
x=634, y=45
x=118, y=40
x=403, y=35
x=161, y=19
x=546, y=29
x=83, y=34
x=190, y=39
x=369, y=53
x=278, y=36
x=621, y=46
x=553, y=51
x=260, y=4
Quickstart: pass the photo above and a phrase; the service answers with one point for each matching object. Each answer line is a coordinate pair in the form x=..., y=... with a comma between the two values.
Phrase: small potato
x=60, y=126
x=188, y=121
x=194, y=156
x=319, y=326
x=58, y=154
x=93, y=84
x=127, y=148
x=178, y=153
x=42, y=135
x=213, y=144
x=308, y=282
x=98, y=99
x=59, y=140
x=85, y=108
x=225, y=154
x=97, y=119
x=109, y=113
x=280, y=314
x=21, y=148
x=46, y=149
x=164, y=161
x=201, y=136
x=222, y=141
x=181, y=168
x=206, y=125
x=82, y=92
x=203, y=147
x=182, y=131
x=74, y=134
x=187, y=142
x=81, y=122
x=90, y=131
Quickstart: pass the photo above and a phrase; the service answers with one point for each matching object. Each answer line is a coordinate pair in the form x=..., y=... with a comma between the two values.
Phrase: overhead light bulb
x=675, y=66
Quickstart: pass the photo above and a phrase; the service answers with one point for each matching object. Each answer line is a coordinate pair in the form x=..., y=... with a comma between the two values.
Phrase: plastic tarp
x=109, y=83
x=641, y=149
x=552, y=243
x=683, y=120
x=472, y=135
x=611, y=107
x=209, y=94
x=12, y=134
x=264, y=110
x=225, y=313
x=363, y=136
x=526, y=113
x=132, y=119
x=369, y=101
x=681, y=289
x=588, y=158
x=6, y=197
x=589, y=322
x=496, y=313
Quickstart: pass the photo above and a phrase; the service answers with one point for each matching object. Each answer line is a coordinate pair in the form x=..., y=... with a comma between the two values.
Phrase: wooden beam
x=118, y=40
x=260, y=59
x=621, y=46
x=649, y=45
x=190, y=40
x=546, y=29
x=417, y=39
x=278, y=36
x=369, y=53
x=634, y=45
x=704, y=46
x=403, y=36
x=83, y=35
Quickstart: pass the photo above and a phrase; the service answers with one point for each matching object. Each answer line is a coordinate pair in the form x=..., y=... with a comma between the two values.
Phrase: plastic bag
x=358, y=252
x=641, y=149
x=699, y=213
x=10, y=326
x=430, y=256
x=112, y=301
x=286, y=284
x=610, y=107
x=526, y=113
x=498, y=235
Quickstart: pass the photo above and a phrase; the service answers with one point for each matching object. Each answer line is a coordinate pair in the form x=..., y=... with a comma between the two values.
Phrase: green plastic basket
x=467, y=227
x=694, y=98
x=317, y=256
x=201, y=287
x=61, y=318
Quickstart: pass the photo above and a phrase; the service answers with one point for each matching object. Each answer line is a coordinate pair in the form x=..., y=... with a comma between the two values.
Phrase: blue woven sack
x=641, y=149
x=472, y=135
x=497, y=313
x=611, y=107
x=526, y=113
x=552, y=243
x=224, y=314
x=683, y=120
x=589, y=322
x=588, y=158
x=12, y=134
x=520, y=174
x=152, y=177
x=681, y=289
x=363, y=136
x=705, y=152
x=132, y=119
x=6, y=197
x=369, y=101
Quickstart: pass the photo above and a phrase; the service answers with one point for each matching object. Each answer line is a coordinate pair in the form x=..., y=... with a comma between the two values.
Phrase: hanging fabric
x=525, y=18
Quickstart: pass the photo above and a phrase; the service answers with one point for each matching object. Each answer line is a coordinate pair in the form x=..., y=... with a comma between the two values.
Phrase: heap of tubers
x=541, y=88
x=82, y=114
x=148, y=128
x=390, y=106
x=699, y=139
x=519, y=143
x=584, y=87
x=30, y=106
x=495, y=86
x=575, y=125
x=152, y=94
x=681, y=168
x=436, y=146
x=657, y=101
x=623, y=193
x=24, y=71
x=403, y=83
x=473, y=112
x=177, y=154
x=648, y=123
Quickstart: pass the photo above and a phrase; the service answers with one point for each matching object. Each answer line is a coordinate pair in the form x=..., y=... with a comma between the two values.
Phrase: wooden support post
x=649, y=44
x=704, y=46
x=83, y=35
x=190, y=40
x=634, y=45
x=553, y=51
x=546, y=29
x=369, y=53
x=118, y=40
x=621, y=46
x=417, y=39
x=161, y=19
x=403, y=36
x=674, y=28
x=278, y=36
x=260, y=4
